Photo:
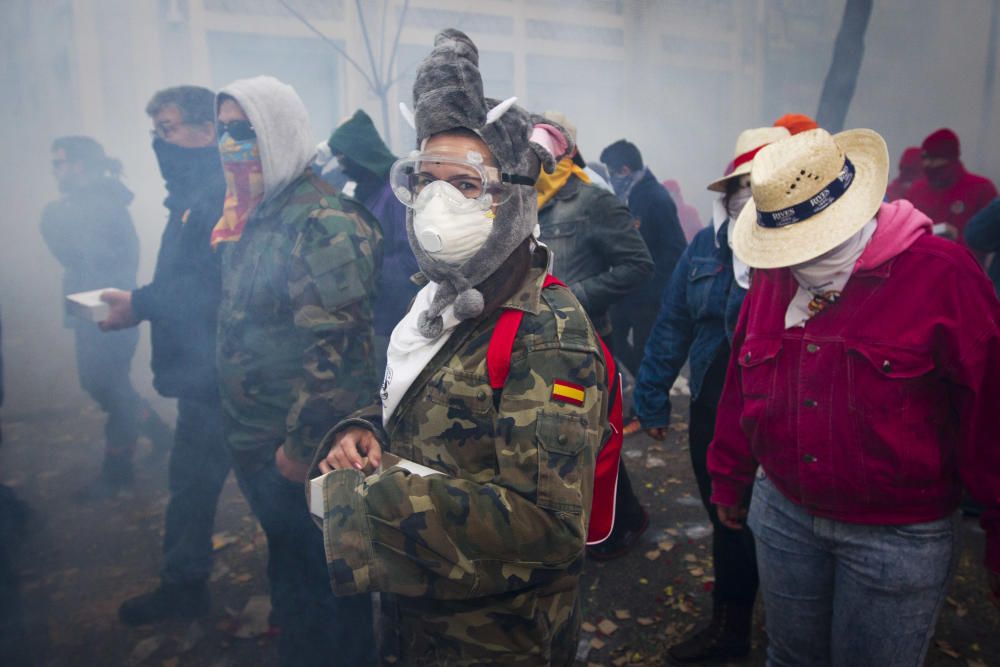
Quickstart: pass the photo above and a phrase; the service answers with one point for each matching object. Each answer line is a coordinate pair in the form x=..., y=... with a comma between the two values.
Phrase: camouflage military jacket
x=295, y=322
x=484, y=561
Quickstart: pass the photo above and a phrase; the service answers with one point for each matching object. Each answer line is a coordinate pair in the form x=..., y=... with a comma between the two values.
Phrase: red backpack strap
x=502, y=342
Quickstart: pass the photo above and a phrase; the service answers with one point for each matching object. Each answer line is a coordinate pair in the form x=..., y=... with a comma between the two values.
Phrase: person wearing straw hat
x=696, y=320
x=862, y=392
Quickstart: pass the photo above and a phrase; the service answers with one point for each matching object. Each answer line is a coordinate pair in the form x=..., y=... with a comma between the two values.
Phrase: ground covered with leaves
x=82, y=560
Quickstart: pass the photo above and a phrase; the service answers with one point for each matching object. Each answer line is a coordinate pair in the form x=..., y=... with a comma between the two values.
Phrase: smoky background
x=680, y=78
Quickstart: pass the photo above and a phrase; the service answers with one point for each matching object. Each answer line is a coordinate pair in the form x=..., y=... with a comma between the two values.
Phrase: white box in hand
x=88, y=305
x=389, y=461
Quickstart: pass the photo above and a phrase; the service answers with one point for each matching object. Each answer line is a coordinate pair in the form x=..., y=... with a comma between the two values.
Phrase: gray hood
x=284, y=136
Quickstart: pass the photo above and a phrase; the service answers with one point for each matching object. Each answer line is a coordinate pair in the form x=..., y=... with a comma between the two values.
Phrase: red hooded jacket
x=882, y=405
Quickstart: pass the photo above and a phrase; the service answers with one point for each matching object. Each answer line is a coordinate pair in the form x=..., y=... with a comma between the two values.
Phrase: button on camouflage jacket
x=295, y=323
x=484, y=560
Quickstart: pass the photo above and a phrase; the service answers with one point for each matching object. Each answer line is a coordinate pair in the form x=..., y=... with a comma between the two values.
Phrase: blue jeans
x=848, y=594
x=199, y=464
x=317, y=628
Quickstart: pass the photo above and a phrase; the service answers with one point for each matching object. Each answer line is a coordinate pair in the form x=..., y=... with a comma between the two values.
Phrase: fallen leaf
x=622, y=614
x=674, y=532
x=620, y=661
x=607, y=627
x=696, y=572
x=171, y=662
x=655, y=462
x=144, y=649
x=974, y=662
x=665, y=545
x=242, y=578
x=644, y=620
x=587, y=626
x=222, y=540
x=643, y=580
x=947, y=648
x=691, y=558
x=596, y=644
x=652, y=555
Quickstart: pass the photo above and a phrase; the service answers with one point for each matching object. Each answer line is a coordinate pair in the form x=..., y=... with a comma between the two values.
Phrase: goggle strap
x=516, y=179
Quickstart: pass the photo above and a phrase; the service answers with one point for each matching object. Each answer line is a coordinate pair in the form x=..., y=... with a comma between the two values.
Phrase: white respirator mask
x=450, y=227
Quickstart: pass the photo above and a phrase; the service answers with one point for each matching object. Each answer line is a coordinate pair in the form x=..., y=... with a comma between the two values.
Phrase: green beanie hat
x=358, y=139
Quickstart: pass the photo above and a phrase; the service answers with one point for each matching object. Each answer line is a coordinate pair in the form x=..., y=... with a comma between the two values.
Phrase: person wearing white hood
x=697, y=316
x=295, y=355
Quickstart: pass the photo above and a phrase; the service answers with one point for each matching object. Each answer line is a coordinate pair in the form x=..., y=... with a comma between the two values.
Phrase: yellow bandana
x=548, y=185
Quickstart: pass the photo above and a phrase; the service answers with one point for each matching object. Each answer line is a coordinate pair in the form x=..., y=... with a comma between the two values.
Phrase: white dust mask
x=448, y=226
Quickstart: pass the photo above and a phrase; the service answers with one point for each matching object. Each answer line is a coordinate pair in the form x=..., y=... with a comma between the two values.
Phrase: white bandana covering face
x=410, y=351
x=821, y=280
x=741, y=272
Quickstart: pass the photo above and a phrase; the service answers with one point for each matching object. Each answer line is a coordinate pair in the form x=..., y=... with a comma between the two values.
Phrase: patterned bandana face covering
x=244, y=187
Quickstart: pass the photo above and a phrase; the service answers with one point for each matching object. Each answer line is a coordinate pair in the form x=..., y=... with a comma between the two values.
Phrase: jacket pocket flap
x=562, y=228
x=561, y=434
x=324, y=260
x=894, y=362
x=756, y=351
x=704, y=269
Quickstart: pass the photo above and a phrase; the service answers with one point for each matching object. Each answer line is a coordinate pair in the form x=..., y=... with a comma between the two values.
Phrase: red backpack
x=602, y=509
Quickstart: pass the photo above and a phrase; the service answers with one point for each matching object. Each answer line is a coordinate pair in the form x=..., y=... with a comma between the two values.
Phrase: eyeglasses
x=239, y=130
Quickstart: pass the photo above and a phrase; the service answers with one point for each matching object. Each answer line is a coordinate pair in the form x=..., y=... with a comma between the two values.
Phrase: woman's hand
x=355, y=448
x=731, y=516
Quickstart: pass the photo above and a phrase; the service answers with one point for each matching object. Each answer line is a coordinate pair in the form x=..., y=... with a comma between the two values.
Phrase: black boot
x=116, y=476
x=168, y=601
x=725, y=638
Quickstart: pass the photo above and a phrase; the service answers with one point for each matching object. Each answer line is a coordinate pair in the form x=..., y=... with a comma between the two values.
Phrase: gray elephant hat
x=448, y=94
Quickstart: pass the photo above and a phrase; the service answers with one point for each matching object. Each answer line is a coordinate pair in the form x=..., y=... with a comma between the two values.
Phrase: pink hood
x=899, y=225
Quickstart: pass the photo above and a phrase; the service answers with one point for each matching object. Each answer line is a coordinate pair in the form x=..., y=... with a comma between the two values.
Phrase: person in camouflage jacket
x=478, y=554
x=484, y=559
x=299, y=265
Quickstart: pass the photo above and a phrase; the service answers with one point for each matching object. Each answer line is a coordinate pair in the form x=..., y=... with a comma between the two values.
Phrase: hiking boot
x=726, y=637
x=185, y=601
x=116, y=476
x=618, y=545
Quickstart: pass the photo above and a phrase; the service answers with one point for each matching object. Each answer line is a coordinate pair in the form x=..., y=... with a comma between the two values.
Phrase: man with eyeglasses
x=181, y=304
x=295, y=355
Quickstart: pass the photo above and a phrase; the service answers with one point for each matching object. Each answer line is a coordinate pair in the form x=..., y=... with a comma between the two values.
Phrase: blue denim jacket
x=698, y=312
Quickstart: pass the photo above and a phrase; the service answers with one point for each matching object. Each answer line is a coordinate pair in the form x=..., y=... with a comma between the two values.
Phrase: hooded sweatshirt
x=294, y=339
x=284, y=135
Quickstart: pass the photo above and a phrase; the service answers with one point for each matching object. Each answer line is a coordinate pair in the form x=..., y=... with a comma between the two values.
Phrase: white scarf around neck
x=741, y=272
x=821, y=280
x=410, y=351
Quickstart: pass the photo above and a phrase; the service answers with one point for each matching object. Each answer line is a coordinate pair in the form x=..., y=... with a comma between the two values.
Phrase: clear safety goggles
x=468, y=176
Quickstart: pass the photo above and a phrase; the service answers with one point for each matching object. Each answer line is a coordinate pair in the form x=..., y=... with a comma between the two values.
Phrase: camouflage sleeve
x=451, y=538
x=331, y=282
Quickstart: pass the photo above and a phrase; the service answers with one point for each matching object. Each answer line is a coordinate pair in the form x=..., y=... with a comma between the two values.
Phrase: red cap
x=796, y=122
x=942, y=143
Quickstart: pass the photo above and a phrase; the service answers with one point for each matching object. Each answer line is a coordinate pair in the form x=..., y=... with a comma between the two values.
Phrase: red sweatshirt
x=881, y=406
x=955, y=204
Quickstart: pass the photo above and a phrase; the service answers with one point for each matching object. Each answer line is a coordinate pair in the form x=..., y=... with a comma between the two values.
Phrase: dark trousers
x=637, y=320
x=199, y=464
x=732, y=550
x=103, y=362
x=317, y=628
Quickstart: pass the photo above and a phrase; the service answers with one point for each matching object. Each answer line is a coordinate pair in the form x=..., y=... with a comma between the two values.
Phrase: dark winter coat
x=697, y=318
x=90, y=232
x=982, y=233
x=651, y=205
x=597, y=250
x=182, y=302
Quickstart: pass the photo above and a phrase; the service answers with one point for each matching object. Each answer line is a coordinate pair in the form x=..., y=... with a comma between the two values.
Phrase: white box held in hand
x=389, y=461
x=88, y=305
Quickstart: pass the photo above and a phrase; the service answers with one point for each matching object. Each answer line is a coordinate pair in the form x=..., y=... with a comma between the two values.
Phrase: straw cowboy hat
x=811, y=192
x=747, y=145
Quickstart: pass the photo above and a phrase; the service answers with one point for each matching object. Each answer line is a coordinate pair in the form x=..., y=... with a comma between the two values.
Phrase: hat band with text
x=815, y=204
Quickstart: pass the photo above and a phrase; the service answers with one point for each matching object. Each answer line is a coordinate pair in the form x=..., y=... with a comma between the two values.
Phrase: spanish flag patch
x=567, y=392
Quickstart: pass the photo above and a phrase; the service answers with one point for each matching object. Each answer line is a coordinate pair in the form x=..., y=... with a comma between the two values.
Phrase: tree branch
x=395, y=46
x=336, y=47
x=368, y=47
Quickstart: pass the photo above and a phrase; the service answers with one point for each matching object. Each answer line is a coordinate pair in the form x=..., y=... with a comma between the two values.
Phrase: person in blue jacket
x=698, y=313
